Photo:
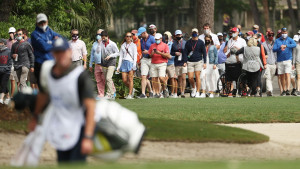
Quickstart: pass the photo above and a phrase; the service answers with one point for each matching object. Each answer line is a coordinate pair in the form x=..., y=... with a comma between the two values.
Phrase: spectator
x=212, y=52
x=225, y=36
x=23, y=59
x=180, y=60
x=12, y=38
x=271, y=62
x=256, y=31
x=26, y=33
x=251, y=64
x=170, y=66
x=240, y=30
x=207, y=31
x=5, y=69
x=152, y=30
x=96, y=58
x=284, y=47
x=42, y=39
x=233, y=61
x=146, y=41
x=127, y=63
x=196, y=54
x=13, y=75
x=160, y=53
x=109, y=54
x=296, y=62
x=220, y=37
x=79, y=51
x=137, y=42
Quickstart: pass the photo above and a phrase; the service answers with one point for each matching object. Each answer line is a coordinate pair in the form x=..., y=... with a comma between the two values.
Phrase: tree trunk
x=255, y=12
x=266, y=13
x=298, y=11
x=292, y=16
x=205, y=13
x=6, y=8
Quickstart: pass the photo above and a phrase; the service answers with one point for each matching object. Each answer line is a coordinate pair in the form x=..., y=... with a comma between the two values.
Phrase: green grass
x=219, y=110
x=192, y=131
x=189, y=165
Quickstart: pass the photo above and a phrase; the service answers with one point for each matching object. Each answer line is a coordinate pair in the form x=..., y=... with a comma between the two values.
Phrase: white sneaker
x=193, y=94
x=175, y=96
x=203, y=95
x=211, y=95
x=1, y=101
x=197, y=95
x=6, y=101
x=129, y=97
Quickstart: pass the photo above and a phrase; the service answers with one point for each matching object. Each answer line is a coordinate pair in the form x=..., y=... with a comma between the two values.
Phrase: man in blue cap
x=146, y=41
x=70, y=92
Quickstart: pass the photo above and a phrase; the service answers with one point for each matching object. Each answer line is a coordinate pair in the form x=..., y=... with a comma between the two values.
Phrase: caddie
x=70, y=92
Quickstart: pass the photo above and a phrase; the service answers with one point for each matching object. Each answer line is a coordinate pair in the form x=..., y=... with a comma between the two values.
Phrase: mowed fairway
x=218, y=110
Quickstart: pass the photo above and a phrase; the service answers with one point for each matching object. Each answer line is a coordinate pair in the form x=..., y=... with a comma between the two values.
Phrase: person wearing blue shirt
x=42, y=39
x=146, y=41
x=284, y=48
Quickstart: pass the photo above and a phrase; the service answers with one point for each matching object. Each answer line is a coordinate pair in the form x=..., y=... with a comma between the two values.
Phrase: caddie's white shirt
x=214, y=38
x=68, y=115
x=239, y=43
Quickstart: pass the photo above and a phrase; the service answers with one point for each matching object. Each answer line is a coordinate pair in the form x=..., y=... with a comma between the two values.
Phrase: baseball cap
x=296, y=38
x=134, y=31
x=283, y=29
x=60, y=44
x=41, y=17
x=235, y=29
x=141, y=30
x=168, y=33
x=195, y=30
x=256, y=26
x=158, y=36
x=11, y=30
x=219, y=34
x=152, y=26
x=3, y=41
x=178, y=32
x=224, y=33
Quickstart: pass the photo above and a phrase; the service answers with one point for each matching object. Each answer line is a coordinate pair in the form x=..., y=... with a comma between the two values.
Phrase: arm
x=203, y=51
x=294, y=57
x=84, y=54
x=92, y=57
x=120, y=59
x=276, y=47
x=291, y=44
x=216, y=56
x=40, y=43
x=173, y=50
x=31, y=56
x=240, y=51
x=135, y=55
x=116, y=51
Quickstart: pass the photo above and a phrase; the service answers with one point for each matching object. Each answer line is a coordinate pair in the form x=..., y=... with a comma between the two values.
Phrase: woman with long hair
x=127, y=62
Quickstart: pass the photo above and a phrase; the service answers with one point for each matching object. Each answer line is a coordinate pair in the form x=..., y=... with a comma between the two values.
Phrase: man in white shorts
x=284, y=48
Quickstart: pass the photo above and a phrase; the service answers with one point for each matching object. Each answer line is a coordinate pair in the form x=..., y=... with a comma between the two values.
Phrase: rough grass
x=219, y=110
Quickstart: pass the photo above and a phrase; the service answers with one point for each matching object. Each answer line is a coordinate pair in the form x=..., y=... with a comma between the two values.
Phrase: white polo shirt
x=78, y=49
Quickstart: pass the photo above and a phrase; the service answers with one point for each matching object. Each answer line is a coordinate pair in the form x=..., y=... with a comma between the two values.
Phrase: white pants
x=269, y=75
x=209, y=78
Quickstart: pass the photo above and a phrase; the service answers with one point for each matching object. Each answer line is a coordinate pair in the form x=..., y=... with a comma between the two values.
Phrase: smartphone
x=154, y=50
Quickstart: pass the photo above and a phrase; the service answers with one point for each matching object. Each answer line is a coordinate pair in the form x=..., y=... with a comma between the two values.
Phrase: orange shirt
x=139, y=50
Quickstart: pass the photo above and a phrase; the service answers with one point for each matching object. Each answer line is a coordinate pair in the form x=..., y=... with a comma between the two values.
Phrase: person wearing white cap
x=170, y=66
x=42, y=42
x=196, y=62
x=220, y=37
x=12, y=38
x=296, y=61
x=180, y=60
x=152, y=29
x=160, y=53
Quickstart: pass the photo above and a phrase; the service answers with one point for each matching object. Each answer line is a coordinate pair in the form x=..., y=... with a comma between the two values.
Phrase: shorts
x=195, y=66
x=145, y=66
x=284, y=67
x=221, y=68
x=126, y=66
x=180, y=70
x=13, y=75
x=171, y=71
x=158, y=70
x=297, y=69
x=233, y=71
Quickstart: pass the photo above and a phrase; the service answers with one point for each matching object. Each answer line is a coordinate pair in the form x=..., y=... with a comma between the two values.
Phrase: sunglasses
x=19, y=34
x=128, y=36
x=133, y=34
x=270, y=35
x=75, y=34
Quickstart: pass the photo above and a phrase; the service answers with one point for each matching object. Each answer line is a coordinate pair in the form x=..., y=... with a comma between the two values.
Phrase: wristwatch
x=88, y=137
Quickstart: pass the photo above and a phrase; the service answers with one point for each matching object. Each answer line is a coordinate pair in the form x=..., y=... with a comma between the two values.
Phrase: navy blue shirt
x=145, y=44
x=198, y=48
x=179, y=47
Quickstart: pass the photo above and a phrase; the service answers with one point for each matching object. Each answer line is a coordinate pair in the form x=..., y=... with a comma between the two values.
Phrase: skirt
x=126, y=66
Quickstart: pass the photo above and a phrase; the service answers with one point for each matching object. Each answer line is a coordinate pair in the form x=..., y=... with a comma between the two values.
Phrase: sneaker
x=156, y=96
x=294, y=92
x=161, y=96
x=211, y=95
x=230, y=95
x=142, y=96
x=283, y=93
x=288, y=93
x=175, y=95
x=1, y=101
x=193, y=94
x=182, y=96
x=6, y=101
x=129, y=97
x=197, y=95
x=166, y=93
x=298, y=93
x=269, y=93
x=133, y=91
x=203, y=95
x=151, y=95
